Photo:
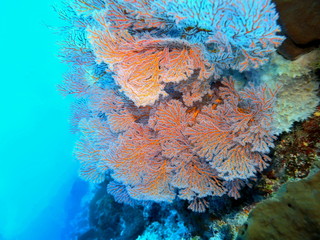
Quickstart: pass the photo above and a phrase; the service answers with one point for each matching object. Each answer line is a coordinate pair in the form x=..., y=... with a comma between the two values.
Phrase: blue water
x=37, y=168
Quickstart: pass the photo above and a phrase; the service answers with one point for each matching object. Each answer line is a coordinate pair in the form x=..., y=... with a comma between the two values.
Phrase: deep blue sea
x=37, y=167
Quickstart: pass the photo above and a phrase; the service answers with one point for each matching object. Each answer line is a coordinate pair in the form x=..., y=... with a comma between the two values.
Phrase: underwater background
x=37, y=168
x=41, y=194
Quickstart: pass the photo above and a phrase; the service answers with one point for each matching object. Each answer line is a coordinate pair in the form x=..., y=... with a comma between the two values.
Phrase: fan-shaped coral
x=152, y=118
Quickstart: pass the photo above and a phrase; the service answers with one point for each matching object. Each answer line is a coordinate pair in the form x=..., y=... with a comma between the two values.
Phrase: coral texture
x=293, y=213
x=147, y=109
x=150, y=43
x=298, y=81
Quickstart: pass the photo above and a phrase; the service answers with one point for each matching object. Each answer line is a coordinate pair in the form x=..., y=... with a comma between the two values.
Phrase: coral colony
x=156, y=106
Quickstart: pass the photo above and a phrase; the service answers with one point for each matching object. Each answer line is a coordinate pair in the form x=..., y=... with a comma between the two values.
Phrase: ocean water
x=37, y=168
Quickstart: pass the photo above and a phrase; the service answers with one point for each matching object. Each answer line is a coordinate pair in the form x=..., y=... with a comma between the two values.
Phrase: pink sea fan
x=143, y=66
x=235, y=135
x=148, y=113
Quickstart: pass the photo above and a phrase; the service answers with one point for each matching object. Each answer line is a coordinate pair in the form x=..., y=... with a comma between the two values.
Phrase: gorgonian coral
x=147, y=109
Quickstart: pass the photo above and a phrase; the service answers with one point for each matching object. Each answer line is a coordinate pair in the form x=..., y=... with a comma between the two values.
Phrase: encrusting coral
x=148, y=111
x=298, y=81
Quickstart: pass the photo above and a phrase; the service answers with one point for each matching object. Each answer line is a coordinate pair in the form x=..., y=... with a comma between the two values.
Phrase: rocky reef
x=293, y=213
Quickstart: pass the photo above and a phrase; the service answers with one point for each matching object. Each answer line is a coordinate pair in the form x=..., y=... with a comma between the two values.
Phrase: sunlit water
x=37, y=168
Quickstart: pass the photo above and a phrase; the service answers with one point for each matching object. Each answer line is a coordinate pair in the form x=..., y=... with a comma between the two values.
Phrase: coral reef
x=297, y=151
x=209, y=153
x=106, y=219
x=177, y=100
x=171, y=229
x=297, y=80
x=296, y=154
x=147, y=109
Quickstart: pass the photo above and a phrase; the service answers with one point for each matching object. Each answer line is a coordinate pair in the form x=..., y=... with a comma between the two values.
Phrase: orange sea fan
x=106, y=101
x=235, y=135
x=198, y=205
x=193, y=91
x=85, y=6
x=131, y=158
x=95, y=136
x=89, y=157
x=211, y=134
x=121, y=120
x=170, y=121
x=197, y=179
x=143, y=66
x=156, y=183
x=148, y=114
x=115, y=107
x=135, y=14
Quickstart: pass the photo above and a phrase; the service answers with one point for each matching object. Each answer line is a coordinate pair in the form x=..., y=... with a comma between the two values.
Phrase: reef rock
x=293, y=214
x=300, y=22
